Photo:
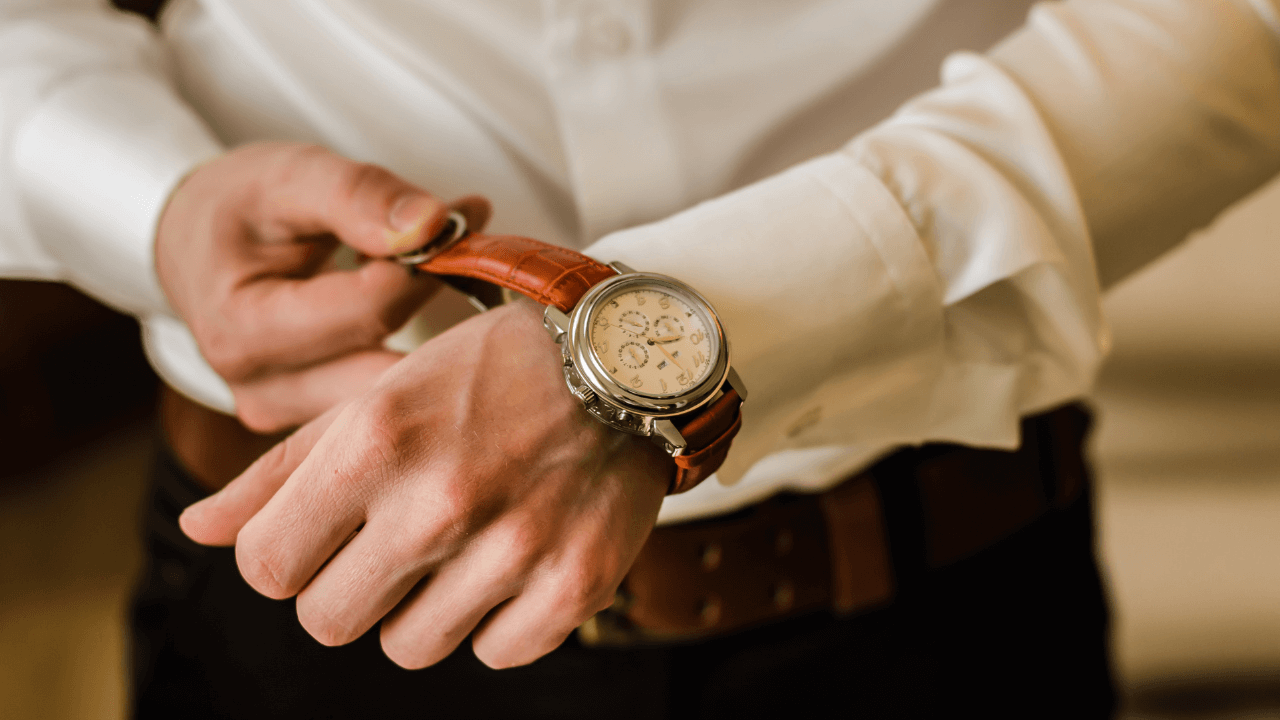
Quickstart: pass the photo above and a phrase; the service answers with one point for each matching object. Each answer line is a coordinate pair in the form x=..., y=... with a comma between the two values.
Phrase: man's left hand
x=467, y=491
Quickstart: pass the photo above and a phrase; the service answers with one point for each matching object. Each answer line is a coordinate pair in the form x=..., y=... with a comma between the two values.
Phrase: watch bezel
x=591, y=371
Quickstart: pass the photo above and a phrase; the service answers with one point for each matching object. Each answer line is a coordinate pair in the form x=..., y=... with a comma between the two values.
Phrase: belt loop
x=861, y=569
x=1069, y=428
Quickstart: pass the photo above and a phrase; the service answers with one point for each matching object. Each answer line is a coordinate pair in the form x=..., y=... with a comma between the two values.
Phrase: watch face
x=653, y=339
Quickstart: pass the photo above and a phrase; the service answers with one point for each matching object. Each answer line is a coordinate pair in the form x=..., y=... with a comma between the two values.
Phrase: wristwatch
x=643, y=352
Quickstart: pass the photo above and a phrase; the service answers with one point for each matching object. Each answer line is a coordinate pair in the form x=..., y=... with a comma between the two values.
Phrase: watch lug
x=736, y=383
x=556, y=323
x=669, y=432
x=621, y=267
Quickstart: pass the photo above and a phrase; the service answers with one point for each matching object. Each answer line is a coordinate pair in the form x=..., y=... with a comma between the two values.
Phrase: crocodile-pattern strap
x=549, y=274
x=557, y=276
x=709, y=434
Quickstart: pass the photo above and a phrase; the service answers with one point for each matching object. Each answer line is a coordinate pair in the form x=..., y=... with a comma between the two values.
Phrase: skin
x=243, y=250
x=456, y=491
x=483, y=499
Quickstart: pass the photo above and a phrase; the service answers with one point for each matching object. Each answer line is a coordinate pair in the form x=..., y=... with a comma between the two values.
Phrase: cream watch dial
x=652, y=341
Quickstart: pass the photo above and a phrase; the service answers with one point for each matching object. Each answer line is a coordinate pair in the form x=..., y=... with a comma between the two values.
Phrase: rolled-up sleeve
x=938, y=278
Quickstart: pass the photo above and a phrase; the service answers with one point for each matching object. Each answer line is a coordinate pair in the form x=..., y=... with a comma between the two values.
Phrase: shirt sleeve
x=938, y=277
x=93, y=138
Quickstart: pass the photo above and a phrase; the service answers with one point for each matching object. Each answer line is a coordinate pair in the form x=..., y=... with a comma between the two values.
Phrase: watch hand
x=664, y=339
x=672, y=359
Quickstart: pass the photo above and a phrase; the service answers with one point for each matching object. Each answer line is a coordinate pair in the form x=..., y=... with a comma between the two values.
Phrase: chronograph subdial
x=633, y=355
x=652, y=342
x=666, y=329
x=633, y=322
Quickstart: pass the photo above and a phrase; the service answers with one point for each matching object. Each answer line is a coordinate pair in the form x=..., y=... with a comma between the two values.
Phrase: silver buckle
x=455, y=227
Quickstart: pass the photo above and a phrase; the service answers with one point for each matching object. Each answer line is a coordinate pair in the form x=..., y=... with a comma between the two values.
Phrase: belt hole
x=784, y=595
x=709, y=611
x=712, y=554
x=783, y=542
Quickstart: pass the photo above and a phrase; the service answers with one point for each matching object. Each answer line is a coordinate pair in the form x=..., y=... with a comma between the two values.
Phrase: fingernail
x=407, y=215
x=409, y=211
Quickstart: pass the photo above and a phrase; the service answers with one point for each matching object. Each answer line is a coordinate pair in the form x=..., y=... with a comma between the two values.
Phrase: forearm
x=935, y=279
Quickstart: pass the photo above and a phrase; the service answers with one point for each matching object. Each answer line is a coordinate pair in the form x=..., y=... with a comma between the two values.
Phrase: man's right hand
x=243, y=251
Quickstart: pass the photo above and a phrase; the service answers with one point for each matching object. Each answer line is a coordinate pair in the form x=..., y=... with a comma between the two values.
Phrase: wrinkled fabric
x=894, y=264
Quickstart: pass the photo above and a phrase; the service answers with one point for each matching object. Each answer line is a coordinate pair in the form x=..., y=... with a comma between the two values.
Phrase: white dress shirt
x=886, y=278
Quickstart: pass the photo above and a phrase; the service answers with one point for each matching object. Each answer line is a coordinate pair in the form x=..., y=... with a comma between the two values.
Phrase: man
x=934, y=280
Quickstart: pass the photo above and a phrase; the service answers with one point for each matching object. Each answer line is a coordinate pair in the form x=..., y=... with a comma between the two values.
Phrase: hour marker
x=640, y=300
x=675, y=354
x=613, y=303
x=699, y=358
x=663, y=383
x=662, y=364
x=613, y=371
x=664, y=302
x=636, y=382
x=696, y=337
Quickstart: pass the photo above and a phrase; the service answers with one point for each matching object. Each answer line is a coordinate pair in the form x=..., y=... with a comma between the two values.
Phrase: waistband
x=850, y=549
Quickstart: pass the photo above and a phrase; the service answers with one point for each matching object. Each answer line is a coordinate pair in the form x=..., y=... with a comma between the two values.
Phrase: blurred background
x=1187, y=454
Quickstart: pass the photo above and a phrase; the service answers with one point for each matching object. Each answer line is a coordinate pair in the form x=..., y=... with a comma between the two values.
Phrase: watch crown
x=585, y=394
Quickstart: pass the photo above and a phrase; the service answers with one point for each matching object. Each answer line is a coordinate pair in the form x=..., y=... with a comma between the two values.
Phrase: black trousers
x=1019, y=630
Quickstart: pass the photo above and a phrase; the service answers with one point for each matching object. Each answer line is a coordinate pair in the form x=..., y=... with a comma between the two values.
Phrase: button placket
x=622, y=159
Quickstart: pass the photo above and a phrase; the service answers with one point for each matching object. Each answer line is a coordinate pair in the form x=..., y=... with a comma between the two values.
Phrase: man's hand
x=243, y=252
x=466, y=490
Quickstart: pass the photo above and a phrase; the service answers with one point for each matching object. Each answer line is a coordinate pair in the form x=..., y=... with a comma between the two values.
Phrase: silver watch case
x=611, y=402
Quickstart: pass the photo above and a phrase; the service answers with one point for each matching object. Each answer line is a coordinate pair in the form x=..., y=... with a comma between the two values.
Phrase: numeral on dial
x=636, y=382
x=696, y=337
x=699, y=358
x=664, y=302
x=683, y=378
x=640, y=300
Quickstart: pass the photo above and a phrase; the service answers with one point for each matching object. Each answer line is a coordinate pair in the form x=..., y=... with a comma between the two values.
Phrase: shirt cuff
x=828, y=298
x=95, y=164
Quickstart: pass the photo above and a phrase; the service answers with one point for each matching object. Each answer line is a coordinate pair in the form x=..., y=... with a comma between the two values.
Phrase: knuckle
x=494, y=658
x=406, y=656
x=223, y=350
x=321, y=624
x=521, y=545
x=258, y=415
x=417, y=652
x=262, y=571
x=505, y=653
x=382, y=431
x=356, y=178
x=583, y=594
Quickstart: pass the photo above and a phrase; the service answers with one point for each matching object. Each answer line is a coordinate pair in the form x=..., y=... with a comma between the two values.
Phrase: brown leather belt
x=791, y=554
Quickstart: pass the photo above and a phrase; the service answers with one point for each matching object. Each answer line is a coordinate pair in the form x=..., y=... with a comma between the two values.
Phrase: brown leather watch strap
x=552, y=275
x=549, y=274
x=709, y=434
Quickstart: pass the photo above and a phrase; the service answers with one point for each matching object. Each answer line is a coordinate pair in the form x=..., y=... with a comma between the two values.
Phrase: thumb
x=366, y=206
x=217, y=519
